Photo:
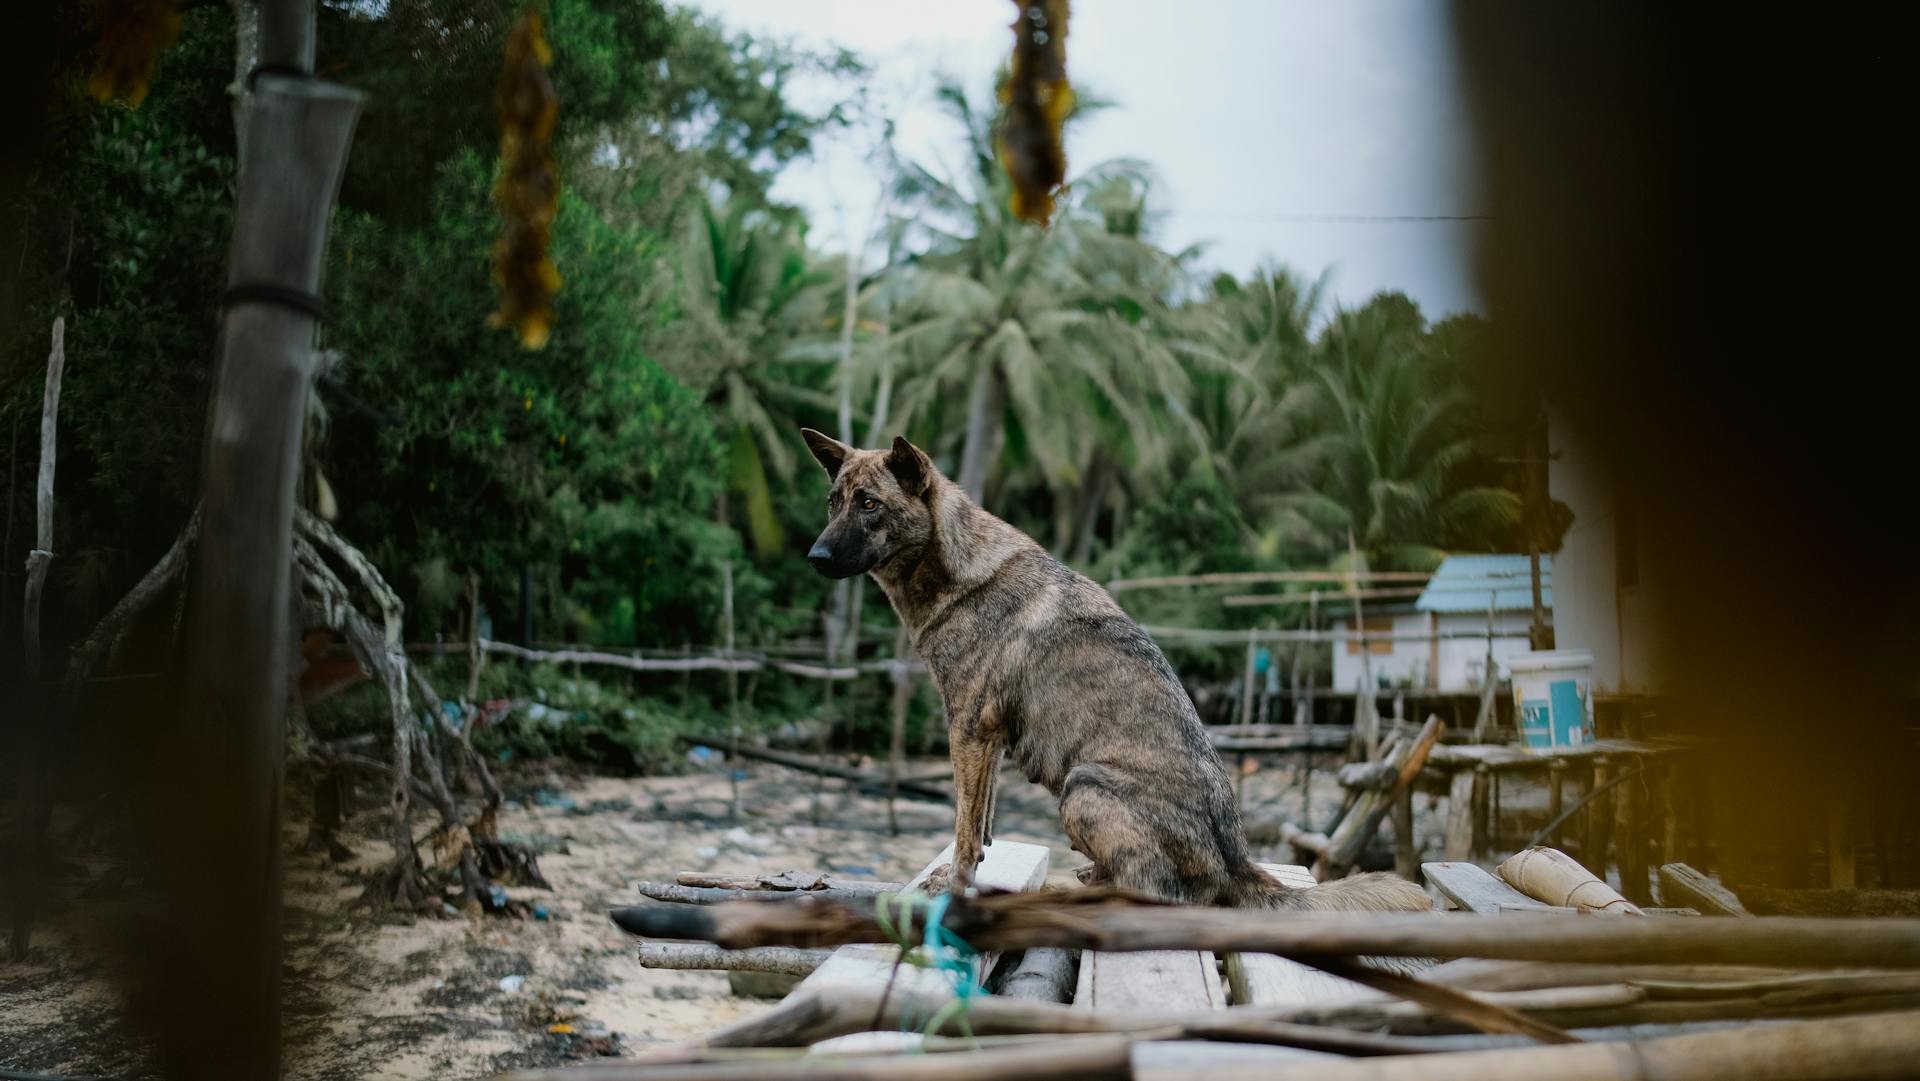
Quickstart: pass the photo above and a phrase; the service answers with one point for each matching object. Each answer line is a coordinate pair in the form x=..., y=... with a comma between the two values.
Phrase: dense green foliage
x=1133, y=417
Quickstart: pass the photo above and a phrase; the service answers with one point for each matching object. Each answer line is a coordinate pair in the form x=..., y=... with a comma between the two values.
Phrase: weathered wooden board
x=1008, y=865
x=1471, y=888
x=1172, y=982
x=1262, y=979
x=1183, y=1060
x=1681, y=884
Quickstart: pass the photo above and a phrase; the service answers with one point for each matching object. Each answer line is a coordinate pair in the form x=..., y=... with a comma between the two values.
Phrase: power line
x=1335, y=219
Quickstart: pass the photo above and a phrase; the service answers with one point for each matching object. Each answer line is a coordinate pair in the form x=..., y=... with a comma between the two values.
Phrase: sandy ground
x=385, y=997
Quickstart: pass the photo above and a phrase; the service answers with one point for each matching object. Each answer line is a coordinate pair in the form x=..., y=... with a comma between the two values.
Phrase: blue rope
x=938, y=949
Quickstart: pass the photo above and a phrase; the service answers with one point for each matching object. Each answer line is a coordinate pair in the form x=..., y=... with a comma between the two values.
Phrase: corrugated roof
x=1463, y=583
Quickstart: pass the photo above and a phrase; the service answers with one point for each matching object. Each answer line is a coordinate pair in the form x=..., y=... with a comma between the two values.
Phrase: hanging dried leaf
x=528, y=190
x=1036, y=99
x=133, y=34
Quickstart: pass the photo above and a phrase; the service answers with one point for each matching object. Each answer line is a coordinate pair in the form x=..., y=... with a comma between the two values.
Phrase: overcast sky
x=1254, y=113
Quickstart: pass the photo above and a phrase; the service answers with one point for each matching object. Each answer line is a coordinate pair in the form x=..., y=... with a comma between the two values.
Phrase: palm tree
x=749, y=292
x=1387, y=453
x=1034, y=329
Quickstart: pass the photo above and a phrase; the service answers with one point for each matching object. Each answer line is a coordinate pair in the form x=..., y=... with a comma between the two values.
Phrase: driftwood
x=786, y=880
x=1360, y=826
x=1041, y=975
x=866, y=782
x=97, y=648
x=1114, y=920
x=785, y=960
x=1681, y=884
x=674, y=893
x=36, y=758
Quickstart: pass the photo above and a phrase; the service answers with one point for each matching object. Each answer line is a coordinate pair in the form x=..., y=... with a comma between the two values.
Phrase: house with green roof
x=1438, y=642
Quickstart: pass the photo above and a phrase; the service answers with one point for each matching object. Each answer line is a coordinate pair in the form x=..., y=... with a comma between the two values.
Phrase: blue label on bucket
x=1569, y=713
x=1535, y=723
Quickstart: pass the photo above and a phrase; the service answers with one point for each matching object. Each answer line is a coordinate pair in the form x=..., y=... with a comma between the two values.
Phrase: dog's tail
x=1373, y=892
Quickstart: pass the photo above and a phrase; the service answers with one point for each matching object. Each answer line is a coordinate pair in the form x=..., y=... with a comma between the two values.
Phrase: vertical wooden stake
x=733, y=690
x=897, y=746
x=1599, y=824
x=1556, y=798
x=1670, y=814
x=1459, y=845
x=1482, y=791
x=1840, y=854
x=1631, y=829
x=1406, y=855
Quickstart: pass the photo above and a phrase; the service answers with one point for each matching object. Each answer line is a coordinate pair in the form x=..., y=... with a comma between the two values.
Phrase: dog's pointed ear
x=910, y=466
x=828, y=451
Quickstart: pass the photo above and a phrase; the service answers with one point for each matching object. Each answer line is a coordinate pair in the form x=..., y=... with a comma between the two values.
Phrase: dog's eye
x=868, y=504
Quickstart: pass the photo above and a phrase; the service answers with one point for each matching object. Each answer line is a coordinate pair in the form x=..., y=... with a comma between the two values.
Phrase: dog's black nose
x=820, y=557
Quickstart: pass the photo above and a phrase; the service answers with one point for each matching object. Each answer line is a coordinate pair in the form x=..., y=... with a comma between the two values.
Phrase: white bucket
x=1553, y=697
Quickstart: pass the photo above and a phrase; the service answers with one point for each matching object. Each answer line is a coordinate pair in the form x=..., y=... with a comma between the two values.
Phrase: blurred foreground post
x=226, y=867
x=36, y=749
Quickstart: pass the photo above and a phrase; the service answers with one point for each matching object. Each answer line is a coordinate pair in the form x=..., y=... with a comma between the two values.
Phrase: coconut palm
x=1387, y=452
x=749, y=291
x=1052, y=338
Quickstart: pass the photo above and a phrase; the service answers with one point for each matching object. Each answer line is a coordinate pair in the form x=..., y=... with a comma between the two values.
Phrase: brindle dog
x=1036, y=661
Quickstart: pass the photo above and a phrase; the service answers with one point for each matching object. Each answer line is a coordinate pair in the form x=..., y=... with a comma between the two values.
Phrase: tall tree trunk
x=1093, y=501
x=36, y=749
x=226, y=866
x=985, y=406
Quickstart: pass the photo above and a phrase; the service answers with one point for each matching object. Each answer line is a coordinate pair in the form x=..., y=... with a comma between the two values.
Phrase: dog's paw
x=1093, y=875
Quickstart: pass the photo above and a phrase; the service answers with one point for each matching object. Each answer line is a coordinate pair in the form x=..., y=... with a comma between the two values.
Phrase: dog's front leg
x=975, y=745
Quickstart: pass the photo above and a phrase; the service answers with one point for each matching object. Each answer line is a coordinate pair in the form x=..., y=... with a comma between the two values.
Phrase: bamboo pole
x=226, y=864
x=1110, y=920
x=1853, y=1048
x=785, y=960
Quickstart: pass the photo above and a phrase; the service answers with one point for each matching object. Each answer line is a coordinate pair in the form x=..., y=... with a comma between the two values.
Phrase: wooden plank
x=1184, y=1060
x=1164, y=981
x=1680, y=884
x=1172, y=982
x=1472, y=889
x=1459, y=844
x=1007, y=865
x=1262, y=979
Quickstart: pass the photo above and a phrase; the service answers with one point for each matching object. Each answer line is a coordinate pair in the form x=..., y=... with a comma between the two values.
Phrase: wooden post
x=733, y=690
x=1482, y=835
x=1366, y=718
x=1670, y=814
x=1632, y=845
x=1556, y=799
x=1489, y=680
x=1459, y=844
x=897, y=746
x=225, y=864
x=1313, y=624
x=1840, y=855
x=1599, y=824
x=36, y=751
x=1246, y=718
x=1406, y=854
